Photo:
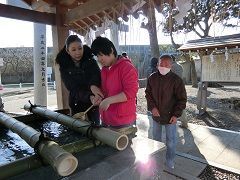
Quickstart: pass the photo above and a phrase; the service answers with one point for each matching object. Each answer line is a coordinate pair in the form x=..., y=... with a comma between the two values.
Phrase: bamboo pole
x=107, y=136
x=62, y=161
x=25, y=164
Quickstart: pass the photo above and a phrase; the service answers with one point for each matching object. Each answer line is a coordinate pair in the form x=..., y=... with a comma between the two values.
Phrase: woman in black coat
x=81, y=75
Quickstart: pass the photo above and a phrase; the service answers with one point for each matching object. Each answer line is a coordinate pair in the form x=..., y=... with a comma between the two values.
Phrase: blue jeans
x=170, y=140
x=150, y=128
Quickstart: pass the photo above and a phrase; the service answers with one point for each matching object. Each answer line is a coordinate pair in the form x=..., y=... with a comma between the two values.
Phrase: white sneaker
x=168, y=168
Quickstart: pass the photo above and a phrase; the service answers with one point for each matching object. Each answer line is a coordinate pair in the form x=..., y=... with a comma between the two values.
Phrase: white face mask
x=163, y=70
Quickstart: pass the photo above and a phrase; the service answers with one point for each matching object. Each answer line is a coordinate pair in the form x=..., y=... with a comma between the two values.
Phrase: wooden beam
x=50, y=2
x=42, y=6
x=89, y=8
x=36, y=5
x=29, y=2
x=27, y=15
x=66, y=2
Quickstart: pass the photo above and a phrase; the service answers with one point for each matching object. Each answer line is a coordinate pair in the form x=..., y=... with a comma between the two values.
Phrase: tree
x=17, y=61
x=148, y=10
x=200, y=19
x=201, y=16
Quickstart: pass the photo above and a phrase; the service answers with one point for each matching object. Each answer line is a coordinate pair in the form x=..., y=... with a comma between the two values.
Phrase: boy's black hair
x=103, y=45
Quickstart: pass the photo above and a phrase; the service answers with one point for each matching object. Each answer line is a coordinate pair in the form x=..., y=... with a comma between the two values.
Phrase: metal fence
x=51, y=85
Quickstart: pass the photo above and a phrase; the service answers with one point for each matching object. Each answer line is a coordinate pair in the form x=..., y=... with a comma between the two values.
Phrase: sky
x=17, y=33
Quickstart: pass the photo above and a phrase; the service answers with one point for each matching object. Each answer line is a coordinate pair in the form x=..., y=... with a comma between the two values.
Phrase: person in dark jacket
x=178, y=70
x=81, y=76
x=166, y=99
x=151, y=69
x=153, y=66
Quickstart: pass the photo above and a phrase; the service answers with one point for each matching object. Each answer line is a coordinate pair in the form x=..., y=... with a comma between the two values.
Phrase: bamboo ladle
x=82, y=115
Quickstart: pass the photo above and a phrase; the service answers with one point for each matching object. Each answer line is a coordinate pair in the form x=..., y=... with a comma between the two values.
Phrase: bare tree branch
x=198, y=33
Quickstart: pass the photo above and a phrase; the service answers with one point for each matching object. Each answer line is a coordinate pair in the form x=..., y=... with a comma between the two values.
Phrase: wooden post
x=202, y=92
x=114, y=35
x=59, y=35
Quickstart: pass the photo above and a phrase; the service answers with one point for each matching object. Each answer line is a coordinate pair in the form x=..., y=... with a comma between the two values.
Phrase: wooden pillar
x=114, y=35
x=202, y=92
x=59, y=35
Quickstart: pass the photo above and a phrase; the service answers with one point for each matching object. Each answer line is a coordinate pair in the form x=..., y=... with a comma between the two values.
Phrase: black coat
x=78, y=79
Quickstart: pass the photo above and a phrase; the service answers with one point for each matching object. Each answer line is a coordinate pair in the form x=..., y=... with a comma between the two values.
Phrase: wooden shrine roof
x=211, y=43
x=78, y=15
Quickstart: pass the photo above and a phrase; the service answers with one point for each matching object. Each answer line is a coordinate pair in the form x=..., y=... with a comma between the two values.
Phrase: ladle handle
x=88, y=109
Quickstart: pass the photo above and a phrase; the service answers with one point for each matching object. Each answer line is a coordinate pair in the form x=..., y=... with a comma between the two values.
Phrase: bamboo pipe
x=107, y=136
x=25, y=164
x=62, y=161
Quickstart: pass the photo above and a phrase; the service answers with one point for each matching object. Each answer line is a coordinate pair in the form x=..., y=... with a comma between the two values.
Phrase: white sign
x=49, y=70
x=221, y=70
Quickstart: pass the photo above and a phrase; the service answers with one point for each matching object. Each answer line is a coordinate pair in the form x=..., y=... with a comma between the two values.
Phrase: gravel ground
x=219, y=114
x=212, y=173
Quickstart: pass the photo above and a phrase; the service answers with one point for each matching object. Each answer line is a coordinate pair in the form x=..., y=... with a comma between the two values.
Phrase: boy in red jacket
x=119, y=84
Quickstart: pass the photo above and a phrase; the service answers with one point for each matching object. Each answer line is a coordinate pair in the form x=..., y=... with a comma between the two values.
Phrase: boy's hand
x=96, y=100
x=96, y=91
x=104, y=105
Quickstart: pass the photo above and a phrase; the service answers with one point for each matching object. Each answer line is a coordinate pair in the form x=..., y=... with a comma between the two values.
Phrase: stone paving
x=217, y=147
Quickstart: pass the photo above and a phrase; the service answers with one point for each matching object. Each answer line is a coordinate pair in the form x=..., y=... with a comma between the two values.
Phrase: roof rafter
x=76, y=24
x=89, y=8
x=99, y=18
x=107, y=15
x=86, y=24
x=89, y=18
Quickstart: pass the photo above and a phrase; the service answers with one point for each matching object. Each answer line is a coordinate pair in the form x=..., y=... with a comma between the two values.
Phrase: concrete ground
x=214, y=146
x=14, y=99
x=197, y=146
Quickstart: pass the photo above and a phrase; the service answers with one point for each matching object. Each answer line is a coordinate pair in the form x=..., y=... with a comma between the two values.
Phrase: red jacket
x=121, y=77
